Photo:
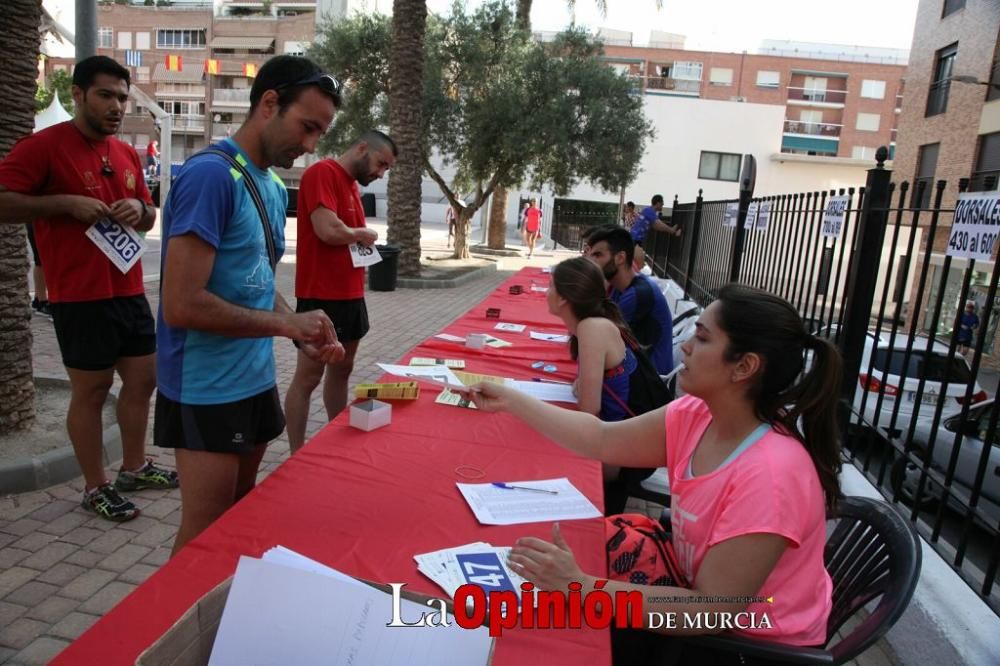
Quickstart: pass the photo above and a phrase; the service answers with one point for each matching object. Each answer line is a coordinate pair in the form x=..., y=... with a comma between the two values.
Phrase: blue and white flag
x=133, y=58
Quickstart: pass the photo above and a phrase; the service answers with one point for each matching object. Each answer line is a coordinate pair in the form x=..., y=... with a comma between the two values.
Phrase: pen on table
x=548, y=381
x=507, y=486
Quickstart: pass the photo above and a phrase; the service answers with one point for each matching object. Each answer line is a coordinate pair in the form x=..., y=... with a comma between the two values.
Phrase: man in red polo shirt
x=66, y=178
x=331, y=219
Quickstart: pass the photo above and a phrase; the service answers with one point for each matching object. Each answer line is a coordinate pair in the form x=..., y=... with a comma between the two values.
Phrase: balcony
x=816, y=97
x=238, y=98
x=664, y=85
x=825, y=130
x=180, y=91
x=188, y=124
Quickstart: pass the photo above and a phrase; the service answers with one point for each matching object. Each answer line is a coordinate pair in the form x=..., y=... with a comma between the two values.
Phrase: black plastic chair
x=872, y=553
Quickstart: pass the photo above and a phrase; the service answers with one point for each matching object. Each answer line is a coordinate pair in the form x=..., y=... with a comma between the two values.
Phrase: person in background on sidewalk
x=650, y=218
x=331, y=219
x=641, y=302
x=532, y=224
x=966, y=327
x=66, y=178
x=451, y=219
x=217, y=403
x=152, y=157
x=629, y=215
x=40, y=302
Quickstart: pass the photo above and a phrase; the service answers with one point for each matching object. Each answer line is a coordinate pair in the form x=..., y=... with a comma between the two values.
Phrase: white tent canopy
x=53, y=115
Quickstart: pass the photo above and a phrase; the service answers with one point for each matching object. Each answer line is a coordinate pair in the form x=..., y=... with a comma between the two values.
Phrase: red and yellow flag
x=174, y=63
x=211, y=66
x=250, y=70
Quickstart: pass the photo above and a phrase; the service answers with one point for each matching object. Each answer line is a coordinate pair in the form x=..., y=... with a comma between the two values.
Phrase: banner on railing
x=732, y=215
x=976, y=225
x=751, y=220
x=763, y=213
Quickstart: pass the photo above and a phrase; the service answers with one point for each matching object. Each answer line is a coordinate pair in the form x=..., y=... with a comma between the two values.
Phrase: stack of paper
x=522, y=502
x=476, y=563
x=288, y=609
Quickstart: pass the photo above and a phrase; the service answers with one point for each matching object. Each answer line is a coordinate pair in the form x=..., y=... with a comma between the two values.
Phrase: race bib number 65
x=121, y=244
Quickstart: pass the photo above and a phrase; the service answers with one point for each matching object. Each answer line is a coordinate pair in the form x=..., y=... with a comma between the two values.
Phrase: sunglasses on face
x=324, y=82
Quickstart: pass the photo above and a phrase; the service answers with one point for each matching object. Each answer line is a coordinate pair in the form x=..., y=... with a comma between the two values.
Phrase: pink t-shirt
x=771, y=487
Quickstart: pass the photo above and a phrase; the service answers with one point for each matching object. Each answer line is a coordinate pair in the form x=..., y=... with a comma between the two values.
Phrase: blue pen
x=507, y=486
x=548, y=381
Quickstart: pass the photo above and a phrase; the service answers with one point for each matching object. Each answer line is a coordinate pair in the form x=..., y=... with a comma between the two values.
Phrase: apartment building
x=840, y=103
x=950, y=130
x=239, y=36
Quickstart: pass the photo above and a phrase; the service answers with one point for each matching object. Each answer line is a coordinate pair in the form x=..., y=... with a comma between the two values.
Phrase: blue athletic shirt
x=642, y=223
x=646, y=312
x=618, y=383
x=209, y=199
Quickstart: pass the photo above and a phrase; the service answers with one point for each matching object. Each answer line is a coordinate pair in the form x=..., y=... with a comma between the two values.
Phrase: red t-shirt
x=58, y=160
x=325, y=271
x=151, y=149
x=533, y=219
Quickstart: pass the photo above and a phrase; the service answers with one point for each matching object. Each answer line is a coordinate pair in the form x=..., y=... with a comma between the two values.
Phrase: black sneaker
x=150, y=476
x=107, y=503
x=41, y=307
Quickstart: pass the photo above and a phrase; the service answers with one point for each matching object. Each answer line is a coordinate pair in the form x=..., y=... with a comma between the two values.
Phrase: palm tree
x=19, y=41
x=497, y=233
x=406, y=90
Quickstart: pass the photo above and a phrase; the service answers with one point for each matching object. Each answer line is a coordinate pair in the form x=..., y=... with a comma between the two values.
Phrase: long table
x=366, y=503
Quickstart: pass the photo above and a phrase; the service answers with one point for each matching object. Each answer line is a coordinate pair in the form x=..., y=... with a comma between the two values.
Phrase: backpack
x=646, y=390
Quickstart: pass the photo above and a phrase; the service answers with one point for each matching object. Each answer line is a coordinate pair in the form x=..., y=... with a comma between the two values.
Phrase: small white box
x=370, y=414
x=476, y=340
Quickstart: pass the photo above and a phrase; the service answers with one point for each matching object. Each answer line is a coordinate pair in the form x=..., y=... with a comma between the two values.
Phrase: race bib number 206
x=121, y=244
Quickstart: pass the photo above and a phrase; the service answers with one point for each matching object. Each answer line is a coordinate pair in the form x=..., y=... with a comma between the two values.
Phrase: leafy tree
x=60, y=82
x=498, y=107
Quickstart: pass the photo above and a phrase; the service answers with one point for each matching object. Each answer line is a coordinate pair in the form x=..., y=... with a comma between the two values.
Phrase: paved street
x=62, y=568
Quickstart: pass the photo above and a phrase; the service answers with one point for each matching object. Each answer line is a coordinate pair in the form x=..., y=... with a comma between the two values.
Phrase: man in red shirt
x=66, y=178
x=331, y=219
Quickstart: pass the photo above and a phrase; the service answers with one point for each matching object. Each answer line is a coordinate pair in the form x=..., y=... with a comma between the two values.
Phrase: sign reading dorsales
x=763, y=214
x=751, y=220
x=976, y=226
x=732, y=214
x=833, y=216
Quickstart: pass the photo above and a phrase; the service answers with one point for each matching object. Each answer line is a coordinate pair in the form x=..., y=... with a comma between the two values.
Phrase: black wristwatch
x=144, y=208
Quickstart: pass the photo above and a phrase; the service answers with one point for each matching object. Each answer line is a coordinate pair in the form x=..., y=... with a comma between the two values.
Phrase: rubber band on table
x=469, y=472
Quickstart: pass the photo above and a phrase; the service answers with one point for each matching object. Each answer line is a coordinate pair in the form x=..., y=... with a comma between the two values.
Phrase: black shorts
x=231, y=427
x=93, y=335
x=350, y=318
x=34, y=247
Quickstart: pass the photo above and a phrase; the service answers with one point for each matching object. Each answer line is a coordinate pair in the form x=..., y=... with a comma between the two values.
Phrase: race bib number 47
x=121, y=244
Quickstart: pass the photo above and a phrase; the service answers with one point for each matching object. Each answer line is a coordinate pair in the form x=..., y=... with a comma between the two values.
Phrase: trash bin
x=382, y=276
x=368, y=204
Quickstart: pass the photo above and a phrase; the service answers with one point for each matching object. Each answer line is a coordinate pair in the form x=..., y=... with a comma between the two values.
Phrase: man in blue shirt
x=650, y=218
x=640, y=300
x=217, y=401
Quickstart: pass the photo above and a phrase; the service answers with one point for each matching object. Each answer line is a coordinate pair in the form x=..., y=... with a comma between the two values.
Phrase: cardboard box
x=370, y=414
x=388, y=391
x=189, y=641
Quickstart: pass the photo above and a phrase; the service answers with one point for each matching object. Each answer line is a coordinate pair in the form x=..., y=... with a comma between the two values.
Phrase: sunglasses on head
x=324, y=82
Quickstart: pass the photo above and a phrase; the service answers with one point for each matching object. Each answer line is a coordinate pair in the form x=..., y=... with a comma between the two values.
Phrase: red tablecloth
x=366, y=503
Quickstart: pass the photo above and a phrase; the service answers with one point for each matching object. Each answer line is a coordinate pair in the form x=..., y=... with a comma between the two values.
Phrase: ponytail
x=786, y=392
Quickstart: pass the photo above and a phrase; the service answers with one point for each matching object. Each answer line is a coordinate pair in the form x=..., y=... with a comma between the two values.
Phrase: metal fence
x=917, y=421
x=571, y=217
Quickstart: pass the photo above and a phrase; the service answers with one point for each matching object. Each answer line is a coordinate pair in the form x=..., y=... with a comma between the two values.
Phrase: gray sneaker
x=150, y=476
x=107, y=503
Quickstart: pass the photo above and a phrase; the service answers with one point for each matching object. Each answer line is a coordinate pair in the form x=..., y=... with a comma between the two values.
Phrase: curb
x=449, y=283
x=23, y=475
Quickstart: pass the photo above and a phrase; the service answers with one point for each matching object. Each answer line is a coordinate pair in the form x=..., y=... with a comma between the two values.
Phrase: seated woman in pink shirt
x=753, y=458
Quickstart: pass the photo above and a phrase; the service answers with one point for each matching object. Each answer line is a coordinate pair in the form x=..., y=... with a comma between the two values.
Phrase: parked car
x=928, y=360
x=905, y=475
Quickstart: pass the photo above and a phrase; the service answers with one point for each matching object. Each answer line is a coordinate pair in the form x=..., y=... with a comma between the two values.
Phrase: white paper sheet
x=546, y=391
x=449, y=337
x=281, y=615
x=289, y=558
x=435, y=374
x=514, y=328
x=364, y=255
x=502, y=506
x=549, y=337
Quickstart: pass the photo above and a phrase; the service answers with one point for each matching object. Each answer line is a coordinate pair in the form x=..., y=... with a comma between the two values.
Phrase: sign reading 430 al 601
x=976, y=226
